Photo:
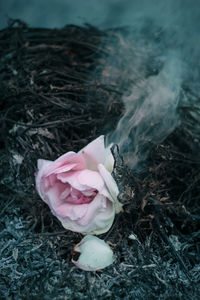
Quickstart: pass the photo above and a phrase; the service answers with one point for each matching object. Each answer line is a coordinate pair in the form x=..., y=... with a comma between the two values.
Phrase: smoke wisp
x=150, y=113
x=165, y=72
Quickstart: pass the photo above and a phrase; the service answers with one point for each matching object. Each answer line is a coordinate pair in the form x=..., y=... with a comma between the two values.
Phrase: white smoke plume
x=164, y=40
x=150, y=112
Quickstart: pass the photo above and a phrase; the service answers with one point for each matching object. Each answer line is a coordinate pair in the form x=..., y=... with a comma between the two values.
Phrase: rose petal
x=111, y=185
x=71, y=177
x=89, y=192
x=91, y=179
x=51, y=179
x=82, y=180
x=95, y=153
x=62, y=169
x=97, y=219
x=97, y=206
x=72, y=211
x=95, y=254
x=65, y=193
x=43, y=163
x=70, y=157
x=67, y=159
x=53, y=195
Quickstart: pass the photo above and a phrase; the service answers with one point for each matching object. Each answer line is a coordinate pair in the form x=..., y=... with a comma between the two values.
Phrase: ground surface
x=59, y=90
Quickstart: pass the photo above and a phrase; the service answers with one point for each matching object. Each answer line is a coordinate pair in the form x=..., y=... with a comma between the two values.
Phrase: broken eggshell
x=95, y=254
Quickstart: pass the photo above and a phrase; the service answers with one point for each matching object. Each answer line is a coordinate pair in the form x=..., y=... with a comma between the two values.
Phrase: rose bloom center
x=74, y=196
x=67, y=193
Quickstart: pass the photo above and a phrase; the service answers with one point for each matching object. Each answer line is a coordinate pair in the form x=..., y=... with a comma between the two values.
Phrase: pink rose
x=79, y=188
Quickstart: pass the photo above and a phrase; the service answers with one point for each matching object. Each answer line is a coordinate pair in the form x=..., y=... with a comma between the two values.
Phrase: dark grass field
x=59, y=91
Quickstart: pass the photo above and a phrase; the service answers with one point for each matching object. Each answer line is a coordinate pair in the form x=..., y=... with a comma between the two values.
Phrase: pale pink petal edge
x=96, y=153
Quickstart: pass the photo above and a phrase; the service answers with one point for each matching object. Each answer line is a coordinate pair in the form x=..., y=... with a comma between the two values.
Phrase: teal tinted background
x=101, y=13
